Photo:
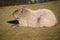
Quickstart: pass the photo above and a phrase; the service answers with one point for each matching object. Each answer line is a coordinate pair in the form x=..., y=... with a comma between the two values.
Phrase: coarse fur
x=35, y=18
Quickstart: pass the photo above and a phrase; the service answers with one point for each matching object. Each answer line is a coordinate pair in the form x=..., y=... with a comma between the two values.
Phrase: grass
x=7, y=32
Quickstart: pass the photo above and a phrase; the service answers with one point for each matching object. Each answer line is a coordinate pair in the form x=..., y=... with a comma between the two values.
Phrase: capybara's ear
x=24, y=9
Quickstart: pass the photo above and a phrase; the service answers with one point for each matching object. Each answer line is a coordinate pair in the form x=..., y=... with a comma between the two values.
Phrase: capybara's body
x=35, y=18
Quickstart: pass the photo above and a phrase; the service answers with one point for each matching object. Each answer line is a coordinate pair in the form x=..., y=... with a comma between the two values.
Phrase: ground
x=7, y=32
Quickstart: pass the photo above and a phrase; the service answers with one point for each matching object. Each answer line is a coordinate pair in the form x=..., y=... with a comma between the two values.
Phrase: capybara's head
x=22, y=12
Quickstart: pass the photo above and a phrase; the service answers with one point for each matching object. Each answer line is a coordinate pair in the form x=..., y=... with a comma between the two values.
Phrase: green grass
x=7, y=32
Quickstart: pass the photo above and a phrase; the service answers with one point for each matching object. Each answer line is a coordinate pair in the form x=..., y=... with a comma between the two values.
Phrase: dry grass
x=21, y=33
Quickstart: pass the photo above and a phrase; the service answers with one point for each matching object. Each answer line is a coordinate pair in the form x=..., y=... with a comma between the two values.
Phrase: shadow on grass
x=13, y=22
